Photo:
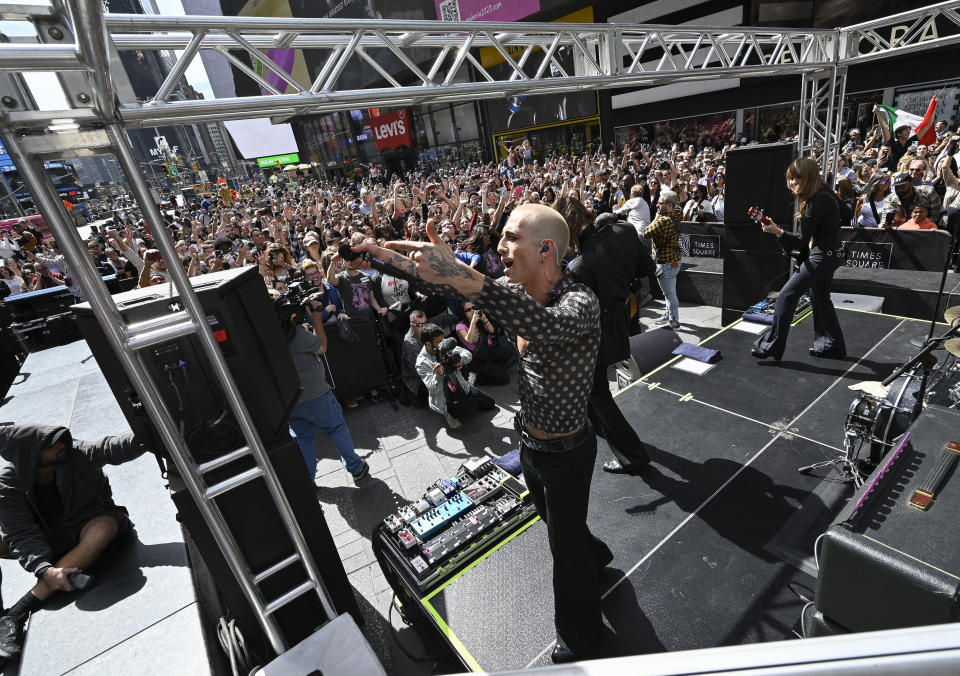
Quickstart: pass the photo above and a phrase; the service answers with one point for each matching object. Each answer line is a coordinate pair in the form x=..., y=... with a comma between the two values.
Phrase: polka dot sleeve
x=572, y=311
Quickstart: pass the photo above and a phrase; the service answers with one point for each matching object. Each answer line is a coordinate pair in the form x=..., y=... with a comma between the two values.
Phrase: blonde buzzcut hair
x=543, y=223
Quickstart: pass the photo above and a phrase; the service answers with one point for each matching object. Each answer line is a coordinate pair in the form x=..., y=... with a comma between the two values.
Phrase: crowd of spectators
x=291, y=230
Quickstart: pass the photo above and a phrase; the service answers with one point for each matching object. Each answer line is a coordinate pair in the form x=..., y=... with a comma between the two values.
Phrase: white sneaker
x=660, y=321
x=452, y=422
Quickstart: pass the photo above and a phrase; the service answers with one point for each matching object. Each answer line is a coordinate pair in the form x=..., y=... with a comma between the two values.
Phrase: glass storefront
x=916, y=98
x=448, y=134
x=714, y=130
x=573, y=137
x=766, y=124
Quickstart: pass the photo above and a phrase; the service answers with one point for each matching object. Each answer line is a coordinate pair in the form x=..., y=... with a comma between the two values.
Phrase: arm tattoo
x=444, y=266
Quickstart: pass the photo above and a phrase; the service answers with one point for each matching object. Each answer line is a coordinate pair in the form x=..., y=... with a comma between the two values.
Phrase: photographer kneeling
x=317, y=406
x=439, y=367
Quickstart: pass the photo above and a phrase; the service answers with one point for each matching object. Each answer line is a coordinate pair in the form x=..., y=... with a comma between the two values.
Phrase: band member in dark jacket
x=607, y=263
x=819, y=252
x=57, y=514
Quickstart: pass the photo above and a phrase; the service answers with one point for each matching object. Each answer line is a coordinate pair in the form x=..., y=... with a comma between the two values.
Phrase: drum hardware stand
x=936, y=306
x=845, y=463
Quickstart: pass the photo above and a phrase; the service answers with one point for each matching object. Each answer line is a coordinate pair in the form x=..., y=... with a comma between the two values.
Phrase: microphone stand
x=936, y=306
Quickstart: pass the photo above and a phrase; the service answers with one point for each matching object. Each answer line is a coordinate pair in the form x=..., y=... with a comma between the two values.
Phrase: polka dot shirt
x=556, y=369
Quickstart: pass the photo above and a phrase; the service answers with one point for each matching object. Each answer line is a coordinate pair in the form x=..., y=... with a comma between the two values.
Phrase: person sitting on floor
x=919, y=220
x=57, y=514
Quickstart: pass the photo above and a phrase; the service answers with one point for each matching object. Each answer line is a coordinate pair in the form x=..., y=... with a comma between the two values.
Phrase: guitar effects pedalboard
x=454, y=522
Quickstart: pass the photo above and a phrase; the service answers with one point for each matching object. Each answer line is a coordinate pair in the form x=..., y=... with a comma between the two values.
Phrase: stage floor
x=714, y=544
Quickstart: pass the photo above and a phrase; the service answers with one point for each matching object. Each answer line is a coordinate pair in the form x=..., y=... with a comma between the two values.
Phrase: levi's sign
x=271, y=161
x=391, y=130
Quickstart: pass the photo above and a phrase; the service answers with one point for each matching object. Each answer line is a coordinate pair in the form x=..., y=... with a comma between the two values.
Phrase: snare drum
x=862, y=416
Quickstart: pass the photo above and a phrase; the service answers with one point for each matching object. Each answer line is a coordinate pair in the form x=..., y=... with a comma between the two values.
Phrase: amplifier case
x=892, y=565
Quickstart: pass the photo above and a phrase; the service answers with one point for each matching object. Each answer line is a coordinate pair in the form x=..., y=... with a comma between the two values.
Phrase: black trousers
x=559, y=484
x=816, y=275
x=472, y=401
x=607, y=418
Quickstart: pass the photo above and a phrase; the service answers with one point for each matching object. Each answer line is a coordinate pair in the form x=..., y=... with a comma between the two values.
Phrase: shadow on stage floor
x=713, y=543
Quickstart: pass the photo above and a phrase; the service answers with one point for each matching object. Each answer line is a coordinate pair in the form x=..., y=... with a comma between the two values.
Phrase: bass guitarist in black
x=819, y=253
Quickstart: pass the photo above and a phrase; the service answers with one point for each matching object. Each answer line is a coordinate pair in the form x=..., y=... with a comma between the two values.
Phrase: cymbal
x=872, y=387
x=951, y=314
x=952, y=346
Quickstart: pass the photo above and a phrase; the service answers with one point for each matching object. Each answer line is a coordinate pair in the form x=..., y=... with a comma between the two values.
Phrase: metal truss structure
x=430, y=60
x=417, y=62
x=821, y=115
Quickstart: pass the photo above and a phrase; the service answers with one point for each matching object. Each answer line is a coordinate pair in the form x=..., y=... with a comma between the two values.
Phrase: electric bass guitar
x=757, y=216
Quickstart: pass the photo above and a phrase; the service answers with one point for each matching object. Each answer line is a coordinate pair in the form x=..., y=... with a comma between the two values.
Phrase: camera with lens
x=291, y=307
x=447, y=356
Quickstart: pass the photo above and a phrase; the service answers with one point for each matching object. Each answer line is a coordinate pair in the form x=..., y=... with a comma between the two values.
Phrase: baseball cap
x=903, y=178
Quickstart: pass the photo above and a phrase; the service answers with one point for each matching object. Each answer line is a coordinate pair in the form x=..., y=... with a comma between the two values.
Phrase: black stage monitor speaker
x=263, y=541
x=355, y=367
x=648, y=350
x=241, y=315
x=755, y=177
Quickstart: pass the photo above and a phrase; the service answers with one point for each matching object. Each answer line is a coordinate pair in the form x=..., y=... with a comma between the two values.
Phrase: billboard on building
x=392, y=130
x=485, y=10
x=253, y=138
x=520, y=112
x=303, y=65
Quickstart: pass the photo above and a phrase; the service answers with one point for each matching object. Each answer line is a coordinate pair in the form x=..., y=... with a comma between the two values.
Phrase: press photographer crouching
x=57, y=514
x=440, y=365
x=317, y=407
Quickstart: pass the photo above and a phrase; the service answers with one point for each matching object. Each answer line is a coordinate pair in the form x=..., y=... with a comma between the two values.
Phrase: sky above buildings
x=45, y=87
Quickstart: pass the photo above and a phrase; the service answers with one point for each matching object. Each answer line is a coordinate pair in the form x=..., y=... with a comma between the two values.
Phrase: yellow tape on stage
x=452, y=637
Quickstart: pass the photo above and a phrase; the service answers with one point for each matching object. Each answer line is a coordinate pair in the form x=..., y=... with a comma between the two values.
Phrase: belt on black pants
x=558, y=445
x=833, y=252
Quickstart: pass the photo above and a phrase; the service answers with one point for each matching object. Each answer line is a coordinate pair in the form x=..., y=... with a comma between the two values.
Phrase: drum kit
x=884, y=410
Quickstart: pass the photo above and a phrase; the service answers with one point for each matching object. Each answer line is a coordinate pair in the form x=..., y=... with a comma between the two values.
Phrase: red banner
x=391, y=130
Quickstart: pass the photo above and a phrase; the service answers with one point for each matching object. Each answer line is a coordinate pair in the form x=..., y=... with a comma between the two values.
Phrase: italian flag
x=921, y=126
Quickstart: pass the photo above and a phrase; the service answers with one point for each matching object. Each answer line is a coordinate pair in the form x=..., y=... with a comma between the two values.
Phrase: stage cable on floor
x=427, y=657
x=242, y=662
x=803, y=614
x=816, y=551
